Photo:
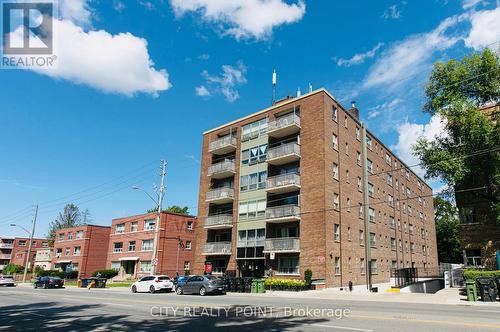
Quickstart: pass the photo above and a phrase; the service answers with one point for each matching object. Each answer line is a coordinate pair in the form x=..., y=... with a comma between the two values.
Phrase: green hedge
x=284, y=284
x=471, y=274
x=106, y=273
x=60, y=274
x=13, y=269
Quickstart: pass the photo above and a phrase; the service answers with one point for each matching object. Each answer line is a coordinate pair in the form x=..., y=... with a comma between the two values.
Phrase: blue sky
x=138, y=81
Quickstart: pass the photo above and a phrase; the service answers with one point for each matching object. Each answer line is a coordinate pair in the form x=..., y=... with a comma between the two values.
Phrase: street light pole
x=154, y=258
x=28, y=255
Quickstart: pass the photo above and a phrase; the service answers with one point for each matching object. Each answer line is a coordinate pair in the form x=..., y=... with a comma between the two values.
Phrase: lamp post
x=28, y=254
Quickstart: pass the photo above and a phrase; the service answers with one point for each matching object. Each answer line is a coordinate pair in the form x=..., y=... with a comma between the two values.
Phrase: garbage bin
x=486, y=289
x=254, y=286
x=260, y=286
x=85, y=283
x=470, y=287
x=248, y=285
x=100, y=282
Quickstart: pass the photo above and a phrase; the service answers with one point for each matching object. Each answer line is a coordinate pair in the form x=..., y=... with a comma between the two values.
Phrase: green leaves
x=447, y=231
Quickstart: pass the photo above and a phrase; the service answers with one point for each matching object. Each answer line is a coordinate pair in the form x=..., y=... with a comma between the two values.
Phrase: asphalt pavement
x=73, y=309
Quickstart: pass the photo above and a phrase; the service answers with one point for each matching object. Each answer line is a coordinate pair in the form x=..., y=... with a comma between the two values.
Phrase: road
x=71, y=309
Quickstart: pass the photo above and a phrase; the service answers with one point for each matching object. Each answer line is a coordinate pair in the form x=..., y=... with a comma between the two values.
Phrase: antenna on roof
x=298, y=92
x=310, y=87
x=274, y=87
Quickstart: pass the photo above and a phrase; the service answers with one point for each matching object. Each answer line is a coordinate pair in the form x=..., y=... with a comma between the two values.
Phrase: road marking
x=117, y=304
x=342, y=328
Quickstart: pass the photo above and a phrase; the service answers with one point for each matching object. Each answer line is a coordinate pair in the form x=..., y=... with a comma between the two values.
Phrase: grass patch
x=120, y=284
x=70, y=283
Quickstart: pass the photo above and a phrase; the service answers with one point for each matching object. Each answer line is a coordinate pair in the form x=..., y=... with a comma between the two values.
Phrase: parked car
x=202, y=285
x=179, y=281
x=49, y=282
x=153, y=284
x=7, y=281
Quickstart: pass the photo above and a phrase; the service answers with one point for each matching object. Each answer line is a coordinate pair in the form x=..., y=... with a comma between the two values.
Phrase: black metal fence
x=405, y=277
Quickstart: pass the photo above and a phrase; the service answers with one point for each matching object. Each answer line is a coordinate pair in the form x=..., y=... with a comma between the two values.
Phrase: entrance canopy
x=128, y=258
x=67, y=261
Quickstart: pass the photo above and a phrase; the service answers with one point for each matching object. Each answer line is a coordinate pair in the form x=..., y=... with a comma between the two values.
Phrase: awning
x=64, y=261
x=128, y=258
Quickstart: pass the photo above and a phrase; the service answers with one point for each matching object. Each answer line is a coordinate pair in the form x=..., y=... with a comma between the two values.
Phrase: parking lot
x=74, y=309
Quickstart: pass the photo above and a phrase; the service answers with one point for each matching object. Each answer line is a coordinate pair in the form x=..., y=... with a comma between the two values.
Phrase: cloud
x=204, y=56
x=225, y=83
x=467, y=4
x=393, y=12
x=243, y=19
x=202, y=91
x=409, y=133
x=385, y=107
x=485, y=28
x=77, y=11
x=118, y=6
x=148, y=5
x=359, y=57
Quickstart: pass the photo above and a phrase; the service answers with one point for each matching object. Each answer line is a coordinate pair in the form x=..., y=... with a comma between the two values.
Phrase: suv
x=6, y=281
x=153, y=284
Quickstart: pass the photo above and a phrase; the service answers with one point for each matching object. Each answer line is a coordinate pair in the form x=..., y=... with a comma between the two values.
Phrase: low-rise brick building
x=43, y=258
x=83, y=249
x=130, y=248
x=20, y=247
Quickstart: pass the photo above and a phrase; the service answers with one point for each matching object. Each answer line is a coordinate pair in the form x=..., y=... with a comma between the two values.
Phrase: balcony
x=284, y=126
x=219, y=221
x=6, y=256
x=217, y=248
x=282, y=245
x=223, y=145
x=220, y=195
x=6, y=245
x=282, y=213
x=283, y=154
x=222, y=170
x=283, y=183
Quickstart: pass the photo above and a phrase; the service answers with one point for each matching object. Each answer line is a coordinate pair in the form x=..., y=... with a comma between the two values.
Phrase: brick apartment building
x=43, y=258
x=479, y=232
x=13, y=250
x=130, y=249
x=283, y=189
x=83, y=249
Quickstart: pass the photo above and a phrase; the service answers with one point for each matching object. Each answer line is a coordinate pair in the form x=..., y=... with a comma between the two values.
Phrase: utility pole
x=154, y=259
x=28, y=255
x=366, y=212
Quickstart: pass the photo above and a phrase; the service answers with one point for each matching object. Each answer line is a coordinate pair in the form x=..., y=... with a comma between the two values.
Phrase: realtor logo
x=27, y=34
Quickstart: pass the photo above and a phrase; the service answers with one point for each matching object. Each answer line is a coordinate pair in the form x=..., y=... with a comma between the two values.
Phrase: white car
x=6, y=281
x=153, y=284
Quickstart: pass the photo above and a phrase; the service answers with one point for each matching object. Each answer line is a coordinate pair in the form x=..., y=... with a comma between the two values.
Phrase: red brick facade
x=320, y=249
x=20, y=248
x=130, y=247
x=83, y=248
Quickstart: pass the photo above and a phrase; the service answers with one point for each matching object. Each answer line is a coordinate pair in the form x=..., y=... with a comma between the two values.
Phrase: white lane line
x=342, y=328
x=117, y=304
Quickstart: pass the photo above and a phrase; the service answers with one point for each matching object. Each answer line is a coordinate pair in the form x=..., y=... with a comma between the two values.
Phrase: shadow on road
x=52, y=316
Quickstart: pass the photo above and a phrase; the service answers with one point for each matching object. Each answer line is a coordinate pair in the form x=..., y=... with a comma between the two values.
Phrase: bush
x=308, y=277
x=39, y=270
x=473, y=274
x=106, y=273
x=52, y=273
x=12, y=269
x=186, y=273
x=284, y=284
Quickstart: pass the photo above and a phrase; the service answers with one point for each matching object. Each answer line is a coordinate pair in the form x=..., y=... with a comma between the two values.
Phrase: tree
x=13, y=269
x=447, y=231
x=173, y=209
x=69, y=217
x=461, y=155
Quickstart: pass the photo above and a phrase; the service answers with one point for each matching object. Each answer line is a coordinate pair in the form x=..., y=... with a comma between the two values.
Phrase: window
x=345, y=121
x=253, y=181
x=189, y=225
x=58, y=252
x=188, y=245
x=133, y=226
x=131, y=246
x=335, y=142
x=410, y=228
x=466, y=215
x=288, y=265
x=22, y=243
x=473, y=257
x=349, y=234
x=412, y=247
x=361, y=238
x=424, y=251
x=336, y=204
x=336, y=232
x=407, y=175
x=252, y=209
x=337, y=265
x=147, y=245
x=120, y=228
x=408, y=192
x=391, y=221
x=370, y=189
x=371, y=215
x=45, y=244
x=373, y=240
x=389, y=179
x=369, y=142
x=348, y=204
x=421, y=216
x=373, y=266
x=349, y=264
x=149, y=224
x=390, y=200
x=394, y=265
x=254, y=155
x=67, y=252
x=347, y=176
x=186, y=265
x=115, y=266
x=70, y=236
x=369, y=166
x=362, y=267
x=61, y=237
x=388, y=159
x=117, y=247
x=76, y=251
x=79, y=235
x=360, y=184
x=334, y=113
x=347, y=148
x=145, y=266
x=358, y=158
x=400, y=245
x=254, y=129
x=393, y=244
x=358, y=134
x=335, y=171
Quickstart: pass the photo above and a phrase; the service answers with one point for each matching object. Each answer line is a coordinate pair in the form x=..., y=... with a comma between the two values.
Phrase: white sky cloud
x=385, y=107
x=393, y=12
x=243, y=18
x=485, y=28
x=77, y=11
x=467, y=4
x=225, y=83
x=202, y=91
x=359, y=57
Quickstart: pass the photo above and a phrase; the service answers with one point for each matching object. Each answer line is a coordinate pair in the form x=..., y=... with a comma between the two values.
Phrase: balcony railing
x=223, y=195
x=6, y=245
x=285, y=244
x=2, y=267
x=222, y=169
x=223, y=145
x=8, y=256
x=284, y=153
x=217, y=248
x=219, y=221
x=284, y=125
x=283, y=213
x=283, y=183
